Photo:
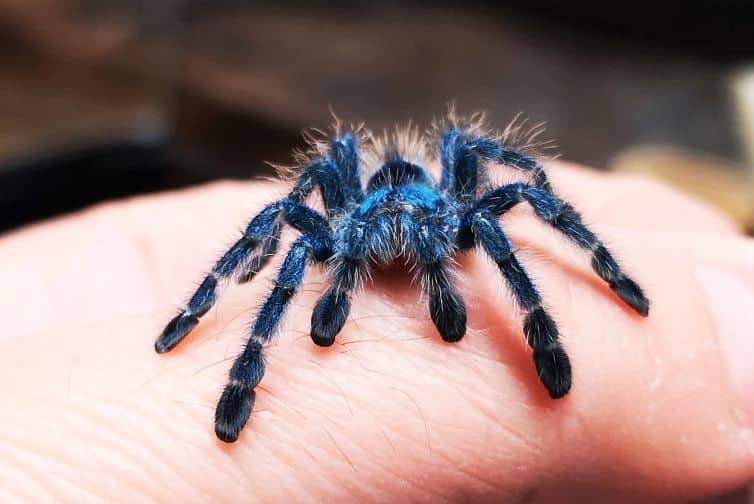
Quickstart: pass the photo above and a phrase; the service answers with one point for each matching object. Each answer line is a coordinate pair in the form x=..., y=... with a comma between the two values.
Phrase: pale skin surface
x=658, y=409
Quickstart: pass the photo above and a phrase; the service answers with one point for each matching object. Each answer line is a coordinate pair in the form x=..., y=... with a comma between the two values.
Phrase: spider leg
x=493, y=150
x=263, y=227
x=460, y=166
x=541, y=333
x=446, y=307
x=234, y=408
x=457, y=149
x=345, y=154
x=348, y=268
x=565, y=219
x=325, y=174
x=269, y=248
x=322, y=173
x=332, y=309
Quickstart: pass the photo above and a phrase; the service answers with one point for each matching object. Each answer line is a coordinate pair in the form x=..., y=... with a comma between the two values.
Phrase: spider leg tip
x=451, y=328
x=233, y=411
x=559, y=392
x=631, y=294
x=225, y=434
x=554, y=370
x=328, y=318
x=638, y=302
x=160, y=346
x=175, y=331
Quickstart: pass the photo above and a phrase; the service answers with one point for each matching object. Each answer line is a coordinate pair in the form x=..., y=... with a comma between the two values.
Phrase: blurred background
x=107, y=98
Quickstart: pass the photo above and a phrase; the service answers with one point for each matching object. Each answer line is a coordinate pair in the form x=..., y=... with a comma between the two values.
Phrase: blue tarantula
x=401, y=212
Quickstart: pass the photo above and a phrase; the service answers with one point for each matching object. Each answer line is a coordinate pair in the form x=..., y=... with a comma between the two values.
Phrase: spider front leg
x=349, y=267
x=565, y=219
x=263, y=229
x=541, y=333
x=235, y=405
x=433, y=248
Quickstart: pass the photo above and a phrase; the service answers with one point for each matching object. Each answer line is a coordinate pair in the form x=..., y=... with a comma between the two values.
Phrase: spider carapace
x=400, y=211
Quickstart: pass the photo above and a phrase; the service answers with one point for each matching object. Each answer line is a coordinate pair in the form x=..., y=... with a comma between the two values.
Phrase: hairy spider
x=402, y=212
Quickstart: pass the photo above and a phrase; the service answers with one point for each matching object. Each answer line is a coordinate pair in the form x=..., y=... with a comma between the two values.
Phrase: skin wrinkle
x=28, y=457
x=70, y=475
x=118, y=443
x=516, y=437
x=403, y=392
x=386, y=466
x=21, y=485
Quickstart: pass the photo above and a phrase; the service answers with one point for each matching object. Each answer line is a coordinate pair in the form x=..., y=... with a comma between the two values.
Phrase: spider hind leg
x=550, y=359
x=561, y=216
x=565, y=219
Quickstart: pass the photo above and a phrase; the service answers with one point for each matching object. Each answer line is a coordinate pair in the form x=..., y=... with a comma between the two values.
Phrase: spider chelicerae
x=401, y=212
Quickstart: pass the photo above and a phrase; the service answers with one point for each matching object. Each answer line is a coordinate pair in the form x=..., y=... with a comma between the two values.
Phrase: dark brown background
x=107, y=98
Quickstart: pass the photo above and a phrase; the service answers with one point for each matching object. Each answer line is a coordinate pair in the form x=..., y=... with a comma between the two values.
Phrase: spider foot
x=233, y=411
x=328, y=318
x=175, y=331
x=630, y=292
x=554, y=370
x=449, y=316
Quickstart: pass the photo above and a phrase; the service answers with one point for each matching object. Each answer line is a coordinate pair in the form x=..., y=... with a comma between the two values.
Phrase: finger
x=147, y=252
x=390, y=411
x=667, y=400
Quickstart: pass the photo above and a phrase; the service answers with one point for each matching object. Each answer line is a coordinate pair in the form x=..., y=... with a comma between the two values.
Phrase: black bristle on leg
x=332, y=309
x=233, y=411
x=446, y=307
x=175, y=331
x=449, y=315
x=260, y=260
x=235, y=405
x=540, y=329
x=554, y=370
x=629, y=291
x=552, y=362
x=328, y=317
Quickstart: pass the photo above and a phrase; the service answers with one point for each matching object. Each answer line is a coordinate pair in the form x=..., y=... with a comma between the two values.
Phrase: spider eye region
x=398, y=172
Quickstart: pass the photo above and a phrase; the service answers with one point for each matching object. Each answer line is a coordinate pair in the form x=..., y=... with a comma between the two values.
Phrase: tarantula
x=401, y=212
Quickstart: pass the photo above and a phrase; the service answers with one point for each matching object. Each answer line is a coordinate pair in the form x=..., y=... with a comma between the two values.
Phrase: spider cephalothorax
x=401, y=211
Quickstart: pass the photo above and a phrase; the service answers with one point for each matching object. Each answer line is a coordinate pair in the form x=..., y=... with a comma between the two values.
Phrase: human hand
x=661, y=408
